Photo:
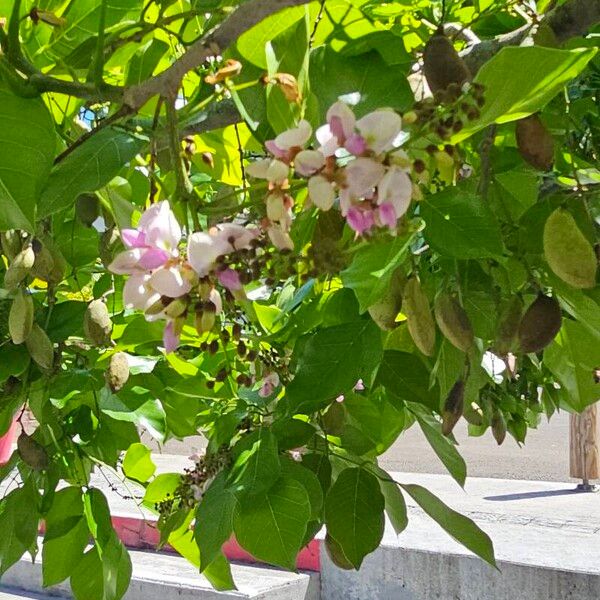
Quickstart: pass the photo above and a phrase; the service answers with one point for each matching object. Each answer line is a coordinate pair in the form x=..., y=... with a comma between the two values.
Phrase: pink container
x=6, y=442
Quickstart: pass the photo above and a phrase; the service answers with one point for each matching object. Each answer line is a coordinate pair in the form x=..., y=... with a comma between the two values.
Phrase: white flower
x=321, y=192
x=379, y=129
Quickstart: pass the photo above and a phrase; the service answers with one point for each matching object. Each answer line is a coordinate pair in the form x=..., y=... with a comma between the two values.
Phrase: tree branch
x=569, y=20
x=218, y=115
x=221, y=37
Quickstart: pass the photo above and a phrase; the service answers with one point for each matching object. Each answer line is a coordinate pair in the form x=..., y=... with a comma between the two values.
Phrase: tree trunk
x=584, y=445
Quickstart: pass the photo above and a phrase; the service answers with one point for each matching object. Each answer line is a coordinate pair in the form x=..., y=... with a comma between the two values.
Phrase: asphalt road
x=544, y=456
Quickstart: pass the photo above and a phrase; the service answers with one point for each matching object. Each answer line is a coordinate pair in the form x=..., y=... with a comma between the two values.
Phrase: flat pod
x=498, y=427
x=421, y=325
x=385, y=311
x=454, y=322
x=117, y=373
x=19, y=268
x=540, y=324
x=32, y=453
x=453, y=407
x=40, y=347
x=508, y=326
x=568, y=251
x=535, y=143
x=97, y=324
x=20, y=318
x=442, y=65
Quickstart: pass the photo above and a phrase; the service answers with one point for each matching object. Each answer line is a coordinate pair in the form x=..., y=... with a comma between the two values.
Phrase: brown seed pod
x=20, y=318
x=454, y=322
x=442, y=64
x=385, y=311
x=421, y=325
x=11, y=243
x=453, y=407
x=43, y=266
x=87, y=209
x=19, y=268
x=508, y=325
x=32, y=453
x=97, y=324
x=498, y=427
x=40, y=347
x=540, y=324
x=568, y=252
x=535, y=143
x=117, y=373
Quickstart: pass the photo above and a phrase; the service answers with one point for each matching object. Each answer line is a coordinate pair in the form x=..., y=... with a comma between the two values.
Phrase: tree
x=298, y=228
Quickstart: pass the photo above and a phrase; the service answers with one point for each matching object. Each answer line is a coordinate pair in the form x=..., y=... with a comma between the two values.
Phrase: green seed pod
x=453, y=407
x=568, y=251
x=40, y=347
x=421, y=325
x=117, y=373
x=87, y=208
x=540, y=324
x=32, y=453
x=474, y=415
x=11, y=243
x=498, y=427
x=535, y=143
x=97, y=324
x=454, y=322
x=43, y=267
x=20, y=318
x=442, y=65
x=385, y=311
x=19, y=268
x=508, y=326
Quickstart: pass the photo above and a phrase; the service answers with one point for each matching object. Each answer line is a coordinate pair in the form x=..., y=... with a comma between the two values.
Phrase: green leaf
x=66, y=536
x=19, y=521
x=161, y=487
x=372, y=268
x=330, y=363
x=367, y=79
x=88, y=168
x=87, y=579
x=520, y=81
x=271, y=526
x=292, y=433
x=219, y=574
x=404, y=376
x=461, y=528
x=138, y=464
x=214, y=521
x=304, y=476
x=460, y=225
x=27, y=149
x=144, y=61
x=256, y=466
x=573, y=357
x=354, y=513
x=579, y=305
x=395, y=506
x=444, y=448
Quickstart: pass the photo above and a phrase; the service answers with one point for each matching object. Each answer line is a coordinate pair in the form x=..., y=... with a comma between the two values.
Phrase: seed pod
x=453, y=407
x=442, y=64
x=421, y=326
x=454, y=322
x=87, y=208
x=20, y=318
x=32, y=453
x=535, y=143
x=498, y=427
x=43, y=267
x=117, y=373
x=11, y=243
x=568, y=251
x=19, y=268
x=40, y=347
x=508, y=326
x=97, y=324
x=540, y=324
x=385, y=311
x=474, y=415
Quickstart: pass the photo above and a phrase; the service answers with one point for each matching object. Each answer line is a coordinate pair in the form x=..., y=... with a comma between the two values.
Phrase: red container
x=6, y=442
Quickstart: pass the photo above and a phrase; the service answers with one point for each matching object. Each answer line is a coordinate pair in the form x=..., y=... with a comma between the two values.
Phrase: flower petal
x=362, y=175
x=126, y=263
x=161, y=227
x=230, y=279
x=152, y=258
x=137, y=293
x=386, y=213
x=341, y=120
x=360, y=220
x=259, y=168
x=308, y=162
x=133, y=238
x=202, y=252
x=295, y=137
x=380, y=128
x=395, y=188
x=170, y=338
x=280, y=239
x=321, y=192
x=168, y=281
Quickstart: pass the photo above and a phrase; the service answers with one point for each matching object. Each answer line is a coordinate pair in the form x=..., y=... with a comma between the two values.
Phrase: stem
x=98, y=63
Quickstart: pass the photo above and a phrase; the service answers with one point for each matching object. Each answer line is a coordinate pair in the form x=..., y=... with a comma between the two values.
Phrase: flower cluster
x=358, y=164
x=164, y=283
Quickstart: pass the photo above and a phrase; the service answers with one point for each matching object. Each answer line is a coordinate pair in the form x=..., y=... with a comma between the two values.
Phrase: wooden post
x=584, y=447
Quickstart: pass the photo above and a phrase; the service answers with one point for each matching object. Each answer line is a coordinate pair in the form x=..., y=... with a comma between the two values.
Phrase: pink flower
x=379, y=129
x=362, y=176
x=170, y=337
x=308, y=162
x=271, y=169
x=395, y=188
x=287, y=143
x=230, y=279
x=160, y=227
x=360, y=220
x=386, y=215
x=340, y=398
x=269, y=384
x=359, y=386
x=339, y=127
